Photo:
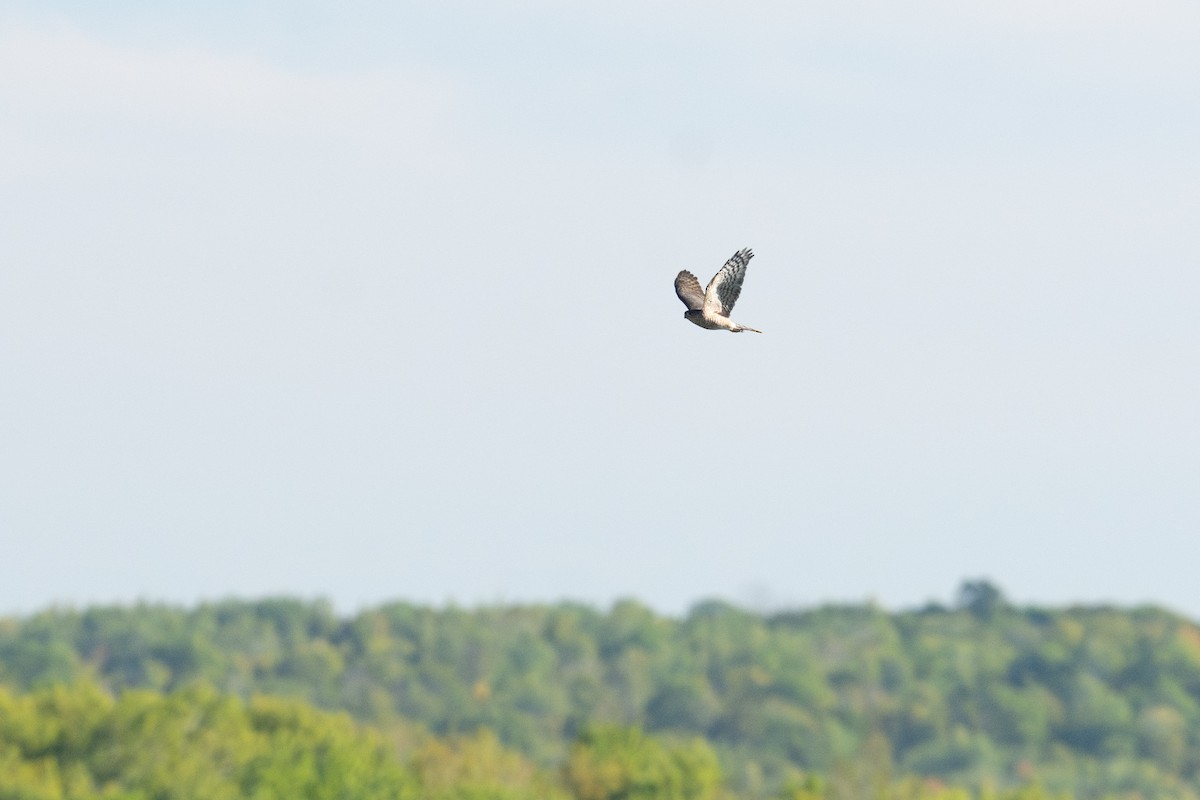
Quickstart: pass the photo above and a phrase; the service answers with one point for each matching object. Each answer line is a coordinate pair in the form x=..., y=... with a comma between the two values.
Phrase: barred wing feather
x=726, y=285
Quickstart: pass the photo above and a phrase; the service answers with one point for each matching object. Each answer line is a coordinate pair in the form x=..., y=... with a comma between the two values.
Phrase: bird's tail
x=744, y=328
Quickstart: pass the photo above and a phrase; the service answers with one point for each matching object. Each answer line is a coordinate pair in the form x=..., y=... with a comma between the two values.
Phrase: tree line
x=980, y=694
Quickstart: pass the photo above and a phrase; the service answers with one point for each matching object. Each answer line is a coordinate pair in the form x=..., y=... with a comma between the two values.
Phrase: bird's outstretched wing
x=726, y=285
x=689, y=291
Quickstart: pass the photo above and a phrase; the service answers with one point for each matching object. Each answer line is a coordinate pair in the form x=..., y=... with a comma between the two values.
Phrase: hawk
x=710, y=308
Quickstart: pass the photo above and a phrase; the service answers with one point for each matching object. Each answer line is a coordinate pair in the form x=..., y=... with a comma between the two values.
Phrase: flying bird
x=710, y=308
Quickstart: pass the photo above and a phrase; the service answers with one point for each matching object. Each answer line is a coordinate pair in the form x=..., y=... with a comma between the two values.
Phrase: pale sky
x=374, y=302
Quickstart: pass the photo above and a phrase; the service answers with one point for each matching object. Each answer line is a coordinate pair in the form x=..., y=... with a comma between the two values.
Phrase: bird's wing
x=689, y=291
x=726, y=285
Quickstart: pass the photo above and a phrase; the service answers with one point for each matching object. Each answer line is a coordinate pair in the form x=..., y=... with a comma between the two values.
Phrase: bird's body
x=710, y=308
x=713, y=322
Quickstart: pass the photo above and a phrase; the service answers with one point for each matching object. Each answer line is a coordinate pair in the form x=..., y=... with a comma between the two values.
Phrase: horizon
x=950, y=605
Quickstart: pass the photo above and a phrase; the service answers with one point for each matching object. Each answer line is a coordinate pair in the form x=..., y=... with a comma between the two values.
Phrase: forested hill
x=1092, y=699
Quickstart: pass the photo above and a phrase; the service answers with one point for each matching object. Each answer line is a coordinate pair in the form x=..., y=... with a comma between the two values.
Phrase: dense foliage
x=80, y=743
x=1095, y=700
